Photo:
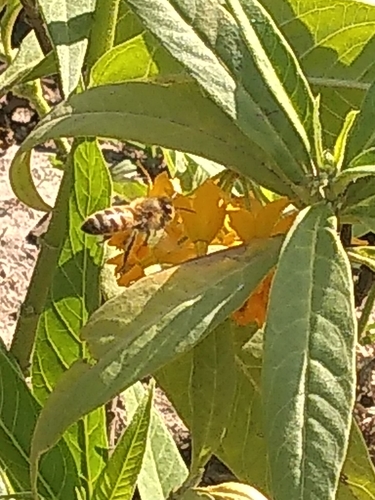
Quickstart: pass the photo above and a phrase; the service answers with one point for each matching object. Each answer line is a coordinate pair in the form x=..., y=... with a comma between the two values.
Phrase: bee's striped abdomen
x=109, y=221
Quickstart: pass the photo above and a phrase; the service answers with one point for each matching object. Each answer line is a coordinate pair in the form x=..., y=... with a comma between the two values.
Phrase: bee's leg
x=147, y=238
x=129, y=245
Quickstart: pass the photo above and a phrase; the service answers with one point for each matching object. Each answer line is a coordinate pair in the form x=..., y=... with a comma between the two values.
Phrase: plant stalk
x=36, y=21
x=103, y=30
x=24, y=338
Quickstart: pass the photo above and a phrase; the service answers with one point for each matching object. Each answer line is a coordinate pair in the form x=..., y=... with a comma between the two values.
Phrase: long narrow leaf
x=156, y=320
x=163, y=469
x=19, y=411
x=69, y=24
x=73, y=295
x=163, y=114
x=118, y=479
x=212, y=50
x=212, y=392
x=309, y=372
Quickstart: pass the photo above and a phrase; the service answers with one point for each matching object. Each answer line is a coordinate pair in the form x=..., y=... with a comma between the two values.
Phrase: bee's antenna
x=145, y=173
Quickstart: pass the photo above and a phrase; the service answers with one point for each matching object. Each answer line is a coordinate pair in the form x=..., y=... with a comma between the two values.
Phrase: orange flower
x=254, y=310
x=263, y=222
x=206, y=212
x=134, y=274
x=162, y=186
x=202, y=219
x=175, y=247
x=259, y=223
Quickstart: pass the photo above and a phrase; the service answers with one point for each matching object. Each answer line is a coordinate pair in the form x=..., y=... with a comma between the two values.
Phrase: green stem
x=191, y=481
x=37, y=293
x=36, y=20
x=367, y=309
x=103, y=30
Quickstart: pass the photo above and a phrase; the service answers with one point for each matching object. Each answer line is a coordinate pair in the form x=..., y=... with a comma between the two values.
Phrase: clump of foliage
x=243, y=311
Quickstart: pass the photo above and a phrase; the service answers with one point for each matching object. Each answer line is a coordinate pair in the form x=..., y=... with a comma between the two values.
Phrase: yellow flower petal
x=134, y=274
x=268, y=216
x=119, y=240
x=175, y=247
x=208, y=205
x=243, y=222
x=254, y=309
x=117, y=261
x=261, y=223
x=162, y=186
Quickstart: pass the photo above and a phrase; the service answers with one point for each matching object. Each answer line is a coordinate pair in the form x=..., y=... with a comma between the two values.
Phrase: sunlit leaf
x=175, y=309
x=118, y=479
x=165, y=115
x=309, y=354
x=68, y=24
x=163, y=469
x=334, y=44
x=140, y=58
x=57, y=477
x=212, y=391
x=72, y=297
x=358, y=474
x=23, y=185
x=248, y=72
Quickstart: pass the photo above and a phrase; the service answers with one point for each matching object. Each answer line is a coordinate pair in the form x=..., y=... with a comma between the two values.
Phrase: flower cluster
x=207, y=220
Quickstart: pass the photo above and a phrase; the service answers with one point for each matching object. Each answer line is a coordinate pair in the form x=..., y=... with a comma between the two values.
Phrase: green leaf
x=363, y=255
x=251, y=85
x=192, y=170
x=118, y=479
x=243, y=447
x=351, y=174
x=23, y=185
x=339, y=150
x=128, y=61
x=269, y=50
x=140, y=58
x=130, y=189
x=73, y=296
x=28, y=64
x=68, y=24
x=47, y=66
x=165, y=115
x=318, y=136
x=212, y=390
x=174, y=309
x=362, y=137
x=359, y=203
x=334, y=50
x=358, y=472
x=309, y=354
x=174, y=378
x=163, y=469
x=57, y=477
x=13, y=8
x=128, y=24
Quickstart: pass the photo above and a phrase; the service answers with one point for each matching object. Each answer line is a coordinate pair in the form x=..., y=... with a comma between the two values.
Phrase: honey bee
x=146, y=216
